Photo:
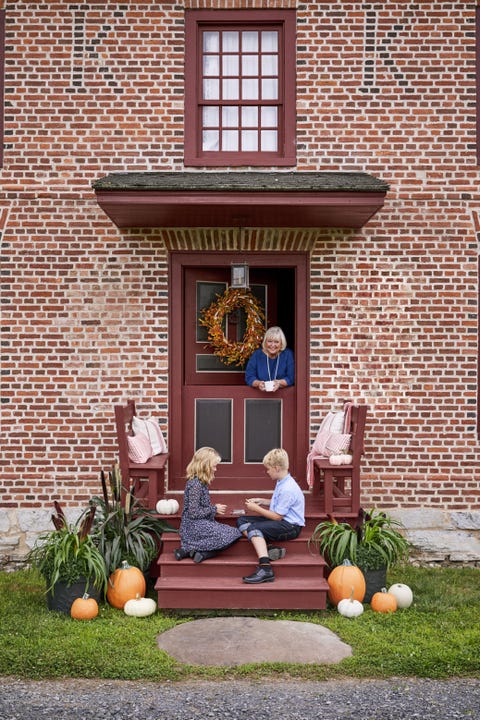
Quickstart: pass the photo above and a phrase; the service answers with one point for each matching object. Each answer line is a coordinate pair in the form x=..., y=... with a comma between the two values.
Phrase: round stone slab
x=243, y=640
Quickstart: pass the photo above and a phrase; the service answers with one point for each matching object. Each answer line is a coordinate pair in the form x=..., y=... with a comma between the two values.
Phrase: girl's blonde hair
x=202, y=463
x=275, y=333
x=278, y=457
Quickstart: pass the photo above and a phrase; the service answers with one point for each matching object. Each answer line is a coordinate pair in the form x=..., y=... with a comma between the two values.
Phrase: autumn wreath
x=234, y=353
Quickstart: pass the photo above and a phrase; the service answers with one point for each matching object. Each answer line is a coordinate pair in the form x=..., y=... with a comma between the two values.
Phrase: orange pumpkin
x=125, y=583
x=84, y=608
x=346, y=581
x=383, y=602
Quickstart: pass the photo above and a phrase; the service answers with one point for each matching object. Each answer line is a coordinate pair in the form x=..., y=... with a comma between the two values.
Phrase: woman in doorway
x=201, y=536
x=272, y=366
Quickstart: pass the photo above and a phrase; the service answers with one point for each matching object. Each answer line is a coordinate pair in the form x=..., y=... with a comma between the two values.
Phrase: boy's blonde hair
x=277, y=457
x=202, y=463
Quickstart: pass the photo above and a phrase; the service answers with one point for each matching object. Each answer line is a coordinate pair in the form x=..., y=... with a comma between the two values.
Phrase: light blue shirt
x=288, y=500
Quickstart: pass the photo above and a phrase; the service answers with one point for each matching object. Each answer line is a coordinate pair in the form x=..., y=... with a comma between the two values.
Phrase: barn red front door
x=209, y=400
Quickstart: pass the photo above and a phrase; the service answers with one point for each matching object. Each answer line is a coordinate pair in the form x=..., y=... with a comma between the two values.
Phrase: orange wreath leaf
x=234, y=353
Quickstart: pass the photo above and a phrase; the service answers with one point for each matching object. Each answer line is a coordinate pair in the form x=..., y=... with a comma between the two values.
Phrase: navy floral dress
x=198, y=529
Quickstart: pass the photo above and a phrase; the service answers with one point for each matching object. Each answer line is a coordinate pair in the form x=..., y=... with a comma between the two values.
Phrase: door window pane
x=213, y=426
x=206, y=293
x=263, y=428
x=249, y=116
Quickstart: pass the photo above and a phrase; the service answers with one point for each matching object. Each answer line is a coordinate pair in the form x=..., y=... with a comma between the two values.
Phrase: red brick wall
x=93, y=88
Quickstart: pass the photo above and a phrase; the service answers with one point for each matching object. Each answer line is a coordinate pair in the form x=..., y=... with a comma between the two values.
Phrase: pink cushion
x=139, y=448
x=151, y=429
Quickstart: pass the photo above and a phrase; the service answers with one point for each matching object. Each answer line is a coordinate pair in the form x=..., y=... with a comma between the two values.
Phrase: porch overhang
x=240, y=199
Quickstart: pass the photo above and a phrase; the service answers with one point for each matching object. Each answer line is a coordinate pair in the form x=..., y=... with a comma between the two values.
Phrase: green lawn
x=437, y=637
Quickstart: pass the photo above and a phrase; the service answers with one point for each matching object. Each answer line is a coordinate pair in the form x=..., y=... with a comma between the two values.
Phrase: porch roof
x=240, y=199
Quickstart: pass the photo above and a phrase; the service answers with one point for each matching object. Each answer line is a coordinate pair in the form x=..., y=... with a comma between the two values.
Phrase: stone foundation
x=444, y=538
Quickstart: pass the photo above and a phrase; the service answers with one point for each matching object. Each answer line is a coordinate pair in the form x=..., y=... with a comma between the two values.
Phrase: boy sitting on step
x=276, y=520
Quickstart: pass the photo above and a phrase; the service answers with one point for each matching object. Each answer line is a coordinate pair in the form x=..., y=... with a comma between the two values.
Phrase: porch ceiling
x=240, y=199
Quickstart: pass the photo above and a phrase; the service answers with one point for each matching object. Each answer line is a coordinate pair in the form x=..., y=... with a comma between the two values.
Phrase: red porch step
x=217, y=583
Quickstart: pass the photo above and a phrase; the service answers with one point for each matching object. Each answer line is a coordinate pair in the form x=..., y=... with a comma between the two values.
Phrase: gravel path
x=394, y=699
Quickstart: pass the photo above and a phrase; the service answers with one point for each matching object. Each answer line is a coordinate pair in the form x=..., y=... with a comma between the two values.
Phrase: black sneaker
x=276, y=553
x=262, y=574
x=181, y=554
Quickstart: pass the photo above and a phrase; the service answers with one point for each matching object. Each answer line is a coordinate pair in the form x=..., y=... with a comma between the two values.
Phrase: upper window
x=240, y=87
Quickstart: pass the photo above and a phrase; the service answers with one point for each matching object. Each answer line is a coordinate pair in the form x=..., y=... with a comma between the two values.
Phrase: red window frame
x=196, y=22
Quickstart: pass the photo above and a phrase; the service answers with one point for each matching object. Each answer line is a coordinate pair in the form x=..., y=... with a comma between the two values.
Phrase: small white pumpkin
x=174, y=506
x=349, y=607
x=341, y=459
x=403, y=595
x=140, y=606
x=167, y=507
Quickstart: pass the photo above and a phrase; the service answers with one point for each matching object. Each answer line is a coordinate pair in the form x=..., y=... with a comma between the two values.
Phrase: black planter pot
x=375, y=580
x=61, y=597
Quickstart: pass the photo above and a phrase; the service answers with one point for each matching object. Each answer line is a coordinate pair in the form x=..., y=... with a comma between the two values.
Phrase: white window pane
x=249, y=117
x=230, y=116
x=269, y=140
x=210, y=116
x=269, y=117
x=269, y=89
x=211, y=41
x=211, y=89
x=230, y=140
x=230, y=89
x=211, y=65
x=230, y=65
x=249, y=41
x=230, y=41
x=210, y=140
x=269, y=65
x=249, y=140
x=250, y=89
x=250, y=65
x=269, y=41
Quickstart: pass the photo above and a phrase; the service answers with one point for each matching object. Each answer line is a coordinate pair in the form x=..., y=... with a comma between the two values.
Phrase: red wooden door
x=210, y=402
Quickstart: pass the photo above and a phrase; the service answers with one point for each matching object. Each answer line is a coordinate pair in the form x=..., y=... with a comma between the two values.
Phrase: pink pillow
x=151, y=429
x=139, y=448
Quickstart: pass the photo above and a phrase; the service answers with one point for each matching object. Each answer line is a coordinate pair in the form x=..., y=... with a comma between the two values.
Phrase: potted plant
x=373, y=543
x=126, y=532
x=69, y=560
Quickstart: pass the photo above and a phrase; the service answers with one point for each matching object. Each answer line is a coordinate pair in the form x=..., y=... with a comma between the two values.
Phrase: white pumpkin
x=403, y=595
x=167, y=507
x=348, y=607
x=174, y=506
x=340, y=459
x=140, y=606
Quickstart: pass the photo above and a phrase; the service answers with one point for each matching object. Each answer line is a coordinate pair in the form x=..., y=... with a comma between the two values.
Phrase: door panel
x=210, y=404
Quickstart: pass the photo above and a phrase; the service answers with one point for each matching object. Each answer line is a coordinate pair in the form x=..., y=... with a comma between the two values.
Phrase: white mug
x=269, y=385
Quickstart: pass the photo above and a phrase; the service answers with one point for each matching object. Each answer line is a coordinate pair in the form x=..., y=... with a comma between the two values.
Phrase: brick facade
x=387, y=88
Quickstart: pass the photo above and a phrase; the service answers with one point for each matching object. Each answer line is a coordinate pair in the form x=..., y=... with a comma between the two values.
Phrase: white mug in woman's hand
x=269, y=385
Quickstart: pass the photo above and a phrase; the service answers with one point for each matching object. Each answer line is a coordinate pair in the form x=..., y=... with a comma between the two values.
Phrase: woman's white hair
x=275, y=333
